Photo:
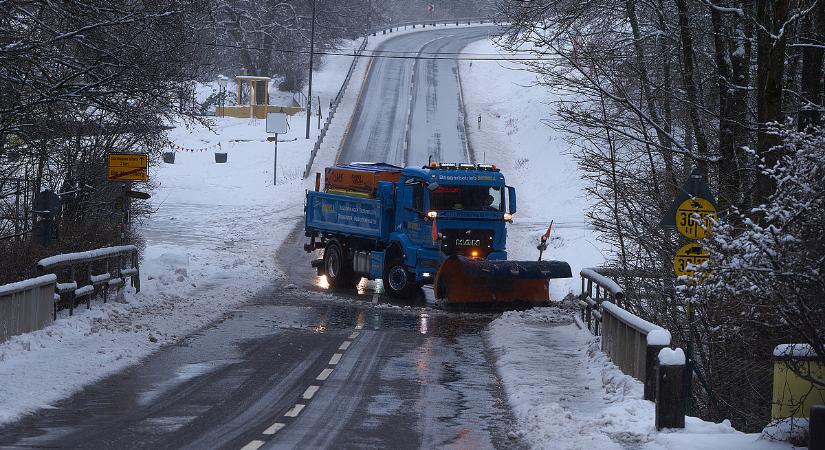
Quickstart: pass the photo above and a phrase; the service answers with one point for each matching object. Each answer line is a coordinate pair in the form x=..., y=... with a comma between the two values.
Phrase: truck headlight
x=432, y=215
x=508, y=217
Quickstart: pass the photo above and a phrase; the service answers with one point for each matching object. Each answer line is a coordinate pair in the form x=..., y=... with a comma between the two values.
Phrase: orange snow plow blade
x=465, y=280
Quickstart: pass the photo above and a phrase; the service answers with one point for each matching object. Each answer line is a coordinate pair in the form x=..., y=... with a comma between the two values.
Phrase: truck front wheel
x=338, y=267
x=397, y=282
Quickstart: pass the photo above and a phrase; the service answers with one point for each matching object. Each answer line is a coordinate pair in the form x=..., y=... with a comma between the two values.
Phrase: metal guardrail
x=384, y=30
x=632, y=343
x=333, y=107
x=83, y=275
x=423, y=23
x=26, y=305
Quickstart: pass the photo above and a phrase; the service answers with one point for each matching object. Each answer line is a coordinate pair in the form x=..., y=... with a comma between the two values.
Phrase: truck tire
x=397, y=281
x=338, y=267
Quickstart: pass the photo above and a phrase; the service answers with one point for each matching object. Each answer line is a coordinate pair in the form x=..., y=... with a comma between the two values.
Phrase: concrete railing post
x=670, y=398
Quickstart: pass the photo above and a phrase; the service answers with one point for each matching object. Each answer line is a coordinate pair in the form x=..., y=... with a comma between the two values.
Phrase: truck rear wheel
x=397, y=281
x=338, y=267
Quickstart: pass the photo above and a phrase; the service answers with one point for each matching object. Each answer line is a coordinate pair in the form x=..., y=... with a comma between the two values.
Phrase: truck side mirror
x=511, y=199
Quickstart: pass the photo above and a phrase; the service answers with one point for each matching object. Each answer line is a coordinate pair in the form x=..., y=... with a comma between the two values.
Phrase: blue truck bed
x=334, y=213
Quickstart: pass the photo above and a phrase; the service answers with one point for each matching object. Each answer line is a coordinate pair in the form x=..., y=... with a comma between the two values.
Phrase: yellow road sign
x=128, y=167
x=692, y=253
x=695, y=217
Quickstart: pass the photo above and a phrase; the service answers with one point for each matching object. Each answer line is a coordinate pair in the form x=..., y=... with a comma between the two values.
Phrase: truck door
x=414, y=224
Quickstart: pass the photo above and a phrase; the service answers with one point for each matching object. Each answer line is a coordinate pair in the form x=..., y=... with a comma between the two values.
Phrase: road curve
x=299, y=368
x=410, y=109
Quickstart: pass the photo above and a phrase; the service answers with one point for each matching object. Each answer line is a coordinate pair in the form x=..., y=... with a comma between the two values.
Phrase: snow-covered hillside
x=514, y=135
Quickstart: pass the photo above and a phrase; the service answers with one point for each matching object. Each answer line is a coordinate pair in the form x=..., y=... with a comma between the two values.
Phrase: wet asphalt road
x=300, y=367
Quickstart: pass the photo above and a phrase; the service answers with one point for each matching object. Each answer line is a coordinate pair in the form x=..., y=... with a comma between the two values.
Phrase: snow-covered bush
x=767, y=265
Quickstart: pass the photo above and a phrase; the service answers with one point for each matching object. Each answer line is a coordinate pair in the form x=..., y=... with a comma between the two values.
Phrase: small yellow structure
x=793, y=396
x=253, y=100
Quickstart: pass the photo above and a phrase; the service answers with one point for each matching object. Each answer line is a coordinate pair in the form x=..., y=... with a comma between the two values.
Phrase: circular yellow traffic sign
x=692, y=253
x=695, y=217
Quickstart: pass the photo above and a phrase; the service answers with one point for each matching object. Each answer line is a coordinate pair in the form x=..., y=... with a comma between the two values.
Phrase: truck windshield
x=467, y=198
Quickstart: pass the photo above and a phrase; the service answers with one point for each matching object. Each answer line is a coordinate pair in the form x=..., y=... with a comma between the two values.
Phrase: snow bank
x=566, y=394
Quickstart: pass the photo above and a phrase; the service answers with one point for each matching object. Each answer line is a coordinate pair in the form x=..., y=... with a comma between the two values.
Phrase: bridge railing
x=26, y=305
x=632, y=343
x=83, y=275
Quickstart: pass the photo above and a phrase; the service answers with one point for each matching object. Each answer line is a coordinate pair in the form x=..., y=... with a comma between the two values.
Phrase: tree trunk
x=686, y=39
x=740, y=58
x=770, y=62
x=641, y=65
x=728, y=182
x=812, y=71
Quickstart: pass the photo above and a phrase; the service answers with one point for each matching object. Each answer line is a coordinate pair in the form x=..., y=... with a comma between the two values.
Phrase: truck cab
x=405, y=229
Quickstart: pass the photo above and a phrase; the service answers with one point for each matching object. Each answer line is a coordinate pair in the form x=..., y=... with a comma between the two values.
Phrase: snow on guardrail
x=51, y=261
x=633, y=321
x=26, y=305
x=603, y=281
x=12, y=288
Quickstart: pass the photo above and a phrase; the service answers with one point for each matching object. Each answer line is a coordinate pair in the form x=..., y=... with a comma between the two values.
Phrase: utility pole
x=311, y=58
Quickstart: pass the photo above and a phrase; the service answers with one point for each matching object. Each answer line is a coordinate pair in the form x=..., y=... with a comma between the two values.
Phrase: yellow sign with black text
x=128, y=167
x=695, y=218
x=690, y=254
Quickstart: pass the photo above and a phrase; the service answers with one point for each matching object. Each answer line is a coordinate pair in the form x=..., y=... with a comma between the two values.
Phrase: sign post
x=276, y=123
x=693, y=214
x=127, y=168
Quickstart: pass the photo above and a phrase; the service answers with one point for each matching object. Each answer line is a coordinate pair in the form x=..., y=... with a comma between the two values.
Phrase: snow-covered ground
x=534, y=158
x=565, y=393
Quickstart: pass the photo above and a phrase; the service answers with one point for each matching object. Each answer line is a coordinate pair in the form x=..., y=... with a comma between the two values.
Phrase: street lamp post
x=221, y=101
x=311, y=57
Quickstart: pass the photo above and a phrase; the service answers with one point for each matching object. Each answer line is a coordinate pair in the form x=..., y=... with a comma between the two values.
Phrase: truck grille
x=464, y=242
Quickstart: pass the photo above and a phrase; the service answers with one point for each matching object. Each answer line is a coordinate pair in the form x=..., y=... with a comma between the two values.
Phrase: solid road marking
x=310, y=392
x=335, y=359
x=254, y=445
x=324, y=375
x=295, y=410
x=344, y=346
x=276, y=427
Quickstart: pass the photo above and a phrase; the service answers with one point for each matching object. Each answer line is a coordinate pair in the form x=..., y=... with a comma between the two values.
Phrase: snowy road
x=411, y=109
x=299, y=367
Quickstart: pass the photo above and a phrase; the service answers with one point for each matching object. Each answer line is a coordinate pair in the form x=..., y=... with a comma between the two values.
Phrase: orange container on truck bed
x=359, y=177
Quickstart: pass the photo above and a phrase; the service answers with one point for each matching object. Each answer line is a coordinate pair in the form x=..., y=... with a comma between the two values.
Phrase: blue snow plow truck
x=442, y=224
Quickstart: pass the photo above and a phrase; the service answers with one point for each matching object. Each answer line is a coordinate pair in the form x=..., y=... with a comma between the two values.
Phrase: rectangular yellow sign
x=128, y=167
